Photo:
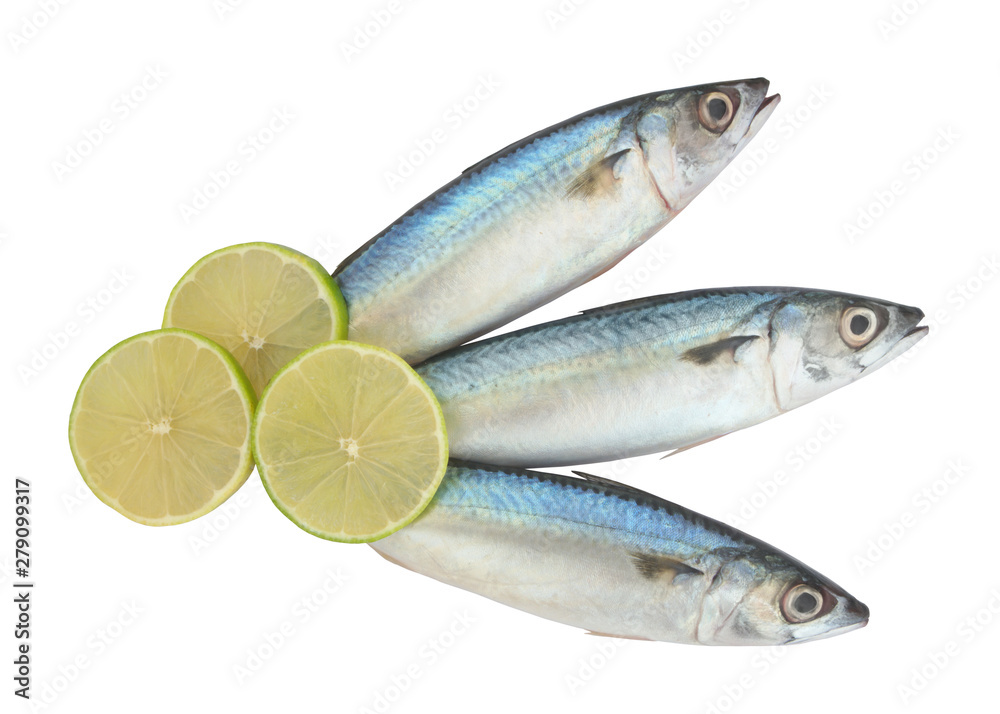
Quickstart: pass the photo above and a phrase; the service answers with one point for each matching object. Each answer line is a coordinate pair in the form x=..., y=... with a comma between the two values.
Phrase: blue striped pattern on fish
x=658, y=373
x=539, y=218
x=612, y=559
x=445, y=220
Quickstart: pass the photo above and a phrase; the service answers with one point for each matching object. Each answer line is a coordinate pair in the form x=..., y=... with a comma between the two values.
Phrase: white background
x=211, y=592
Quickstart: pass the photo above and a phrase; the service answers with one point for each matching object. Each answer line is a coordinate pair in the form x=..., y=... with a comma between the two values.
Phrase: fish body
x=543, y=216
x=602, y=556
x=658, y=373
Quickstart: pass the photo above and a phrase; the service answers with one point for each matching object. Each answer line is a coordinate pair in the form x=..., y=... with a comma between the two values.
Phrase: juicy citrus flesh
x=263, y=302
x=160, y=428
x=350, y=442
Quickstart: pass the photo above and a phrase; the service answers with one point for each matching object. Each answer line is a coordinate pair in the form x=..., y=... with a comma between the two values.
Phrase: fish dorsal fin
x=623, y=490
x=515, y=145
x=652, y=566
x=624, y=305
x=706, y=354
x=512, y=146
x=602, y=480
x=597, y=178
x=355, y=255
x=668, y=298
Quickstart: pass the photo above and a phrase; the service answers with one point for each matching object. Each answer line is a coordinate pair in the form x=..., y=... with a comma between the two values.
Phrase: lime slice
x=160, y=428
x=350, y=443
x=265, y=303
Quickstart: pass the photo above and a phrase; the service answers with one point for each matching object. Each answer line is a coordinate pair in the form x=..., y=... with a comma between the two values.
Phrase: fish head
x=775, y=600
x=688, y=136
x=823, y=341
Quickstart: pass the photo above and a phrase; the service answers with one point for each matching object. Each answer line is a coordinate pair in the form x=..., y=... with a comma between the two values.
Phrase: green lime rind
x=324, y=279
x=261, y=413
x=244, y=389
x=328, y=289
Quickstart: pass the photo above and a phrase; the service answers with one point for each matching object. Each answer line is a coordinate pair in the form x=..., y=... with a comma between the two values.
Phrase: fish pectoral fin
x=706, y=354
x=355, y=255
x=597, y=178
x=653, y=566
x=691, y=446
x=619, y=637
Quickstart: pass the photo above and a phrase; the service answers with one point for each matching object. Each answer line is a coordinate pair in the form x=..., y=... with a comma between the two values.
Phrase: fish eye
x=858, y=326
x=801, y=603
x=715, y=111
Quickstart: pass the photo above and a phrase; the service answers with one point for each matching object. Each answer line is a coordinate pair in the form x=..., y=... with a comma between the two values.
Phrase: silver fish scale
x=624, y=512
x=500, y=188
x=606, y=557
x=647, y=322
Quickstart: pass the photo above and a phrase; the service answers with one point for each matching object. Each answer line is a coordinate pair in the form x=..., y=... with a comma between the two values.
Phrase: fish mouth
x=767, y=105
x=830, y=633
x=856, y=613
x=763, y=113
x=757, y=87
x=909, y=338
